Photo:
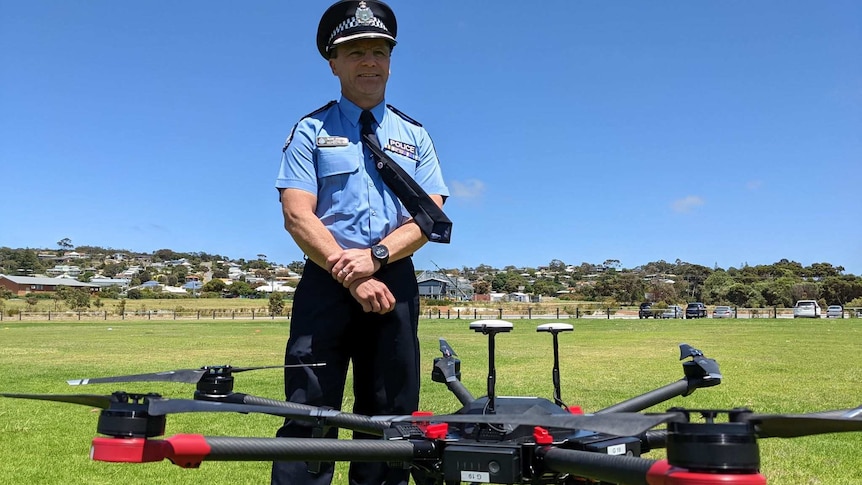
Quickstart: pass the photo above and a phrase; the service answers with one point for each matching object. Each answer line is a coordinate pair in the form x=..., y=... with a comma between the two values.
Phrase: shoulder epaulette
x=399, y=113
x=322, y=108
x=318, y=110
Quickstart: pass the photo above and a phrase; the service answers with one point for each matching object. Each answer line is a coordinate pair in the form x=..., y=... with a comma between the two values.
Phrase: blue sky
x=718, y=133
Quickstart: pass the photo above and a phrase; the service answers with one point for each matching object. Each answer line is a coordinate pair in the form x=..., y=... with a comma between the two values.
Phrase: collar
x=351, y=111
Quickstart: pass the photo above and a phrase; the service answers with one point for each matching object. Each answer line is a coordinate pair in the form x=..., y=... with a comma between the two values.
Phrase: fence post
x=529, y=313
x=475, y=314
x=252, y=313
x=774, y=312
x=49, y=315
x=79, y=315
x=577, y=313
x=500, y=310
x=448, y=314
x=459, y=314
x=558, y=313
x=609, y=313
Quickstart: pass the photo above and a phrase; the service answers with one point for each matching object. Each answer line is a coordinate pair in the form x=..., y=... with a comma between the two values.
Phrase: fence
x=457, y=313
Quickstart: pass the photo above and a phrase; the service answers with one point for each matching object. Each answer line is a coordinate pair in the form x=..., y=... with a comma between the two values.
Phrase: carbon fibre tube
x=356, y=422
x=315, y=449
x=653, y=440
x=644, y=401
x=619, y=469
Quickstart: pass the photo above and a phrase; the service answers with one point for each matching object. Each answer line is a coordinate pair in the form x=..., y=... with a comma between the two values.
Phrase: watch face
x=381, y=251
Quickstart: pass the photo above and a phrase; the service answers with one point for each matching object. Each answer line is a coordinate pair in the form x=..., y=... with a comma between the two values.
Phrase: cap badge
x=364, y=15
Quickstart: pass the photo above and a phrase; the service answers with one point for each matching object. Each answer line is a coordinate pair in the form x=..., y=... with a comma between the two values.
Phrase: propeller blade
x=446, y=349
x=159, y=407
x=794, y=425
x=187, y=376
x=243, y=369
x=617, y=424
x=92, y=400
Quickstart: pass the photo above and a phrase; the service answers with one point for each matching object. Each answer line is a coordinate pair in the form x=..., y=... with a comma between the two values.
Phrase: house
x=22, y=285
x=440, y=286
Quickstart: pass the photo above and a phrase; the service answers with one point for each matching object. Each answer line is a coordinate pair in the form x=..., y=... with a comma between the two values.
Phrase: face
x=362, y=66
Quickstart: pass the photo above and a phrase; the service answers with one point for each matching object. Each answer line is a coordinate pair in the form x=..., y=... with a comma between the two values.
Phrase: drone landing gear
x=554, y=329
x=491, y=328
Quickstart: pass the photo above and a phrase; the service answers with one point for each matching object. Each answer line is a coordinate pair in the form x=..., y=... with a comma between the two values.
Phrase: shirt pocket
x=334, y=168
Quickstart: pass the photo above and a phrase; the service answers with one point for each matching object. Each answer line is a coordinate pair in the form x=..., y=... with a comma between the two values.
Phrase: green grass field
x=771, y=366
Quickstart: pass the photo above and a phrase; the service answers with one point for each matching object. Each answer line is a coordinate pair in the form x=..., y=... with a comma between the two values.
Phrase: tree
x=65, y=243
x=75, y=298
x=215, y=286
x=276, y=303
x=296, y=266
x=482, y=287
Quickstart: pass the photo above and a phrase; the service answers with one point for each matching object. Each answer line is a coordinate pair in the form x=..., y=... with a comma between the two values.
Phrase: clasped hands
x=354, y=269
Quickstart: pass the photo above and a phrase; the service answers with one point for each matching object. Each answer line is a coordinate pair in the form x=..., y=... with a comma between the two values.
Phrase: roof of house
x=38, y=280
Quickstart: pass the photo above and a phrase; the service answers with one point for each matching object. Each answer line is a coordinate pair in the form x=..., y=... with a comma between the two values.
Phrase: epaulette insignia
x=399, y=113
x=318, y=110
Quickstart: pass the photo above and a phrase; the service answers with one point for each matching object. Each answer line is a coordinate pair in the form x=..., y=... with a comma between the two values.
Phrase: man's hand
x=351, y=265
x=373, y=295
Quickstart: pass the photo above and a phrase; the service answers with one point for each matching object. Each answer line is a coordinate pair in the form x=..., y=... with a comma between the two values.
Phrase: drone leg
x=555, y=329
x=492, y=373
x=555, y=375
x=491, y=328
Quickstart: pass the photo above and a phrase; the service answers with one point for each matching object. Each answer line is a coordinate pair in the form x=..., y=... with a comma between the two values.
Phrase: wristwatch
x=380, y=253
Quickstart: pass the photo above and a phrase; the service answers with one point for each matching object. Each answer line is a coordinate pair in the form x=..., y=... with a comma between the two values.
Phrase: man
x=358, y=299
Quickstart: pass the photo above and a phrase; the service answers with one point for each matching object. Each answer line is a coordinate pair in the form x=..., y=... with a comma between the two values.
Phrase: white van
x=806, y=309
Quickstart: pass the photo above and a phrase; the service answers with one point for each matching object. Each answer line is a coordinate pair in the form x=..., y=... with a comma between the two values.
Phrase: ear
x=332, y=67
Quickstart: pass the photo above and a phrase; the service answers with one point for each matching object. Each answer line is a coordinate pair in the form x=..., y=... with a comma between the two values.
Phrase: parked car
x=645, y=310
x=722, y=312
x=806, y=309
x=695, y=310
x=835, y=311
x=673, y=311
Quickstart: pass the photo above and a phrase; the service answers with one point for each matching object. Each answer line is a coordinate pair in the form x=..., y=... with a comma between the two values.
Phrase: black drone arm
x=620, y=469
x=649, y=399
x=188, y=451
x=699, y=372
x=356, y=422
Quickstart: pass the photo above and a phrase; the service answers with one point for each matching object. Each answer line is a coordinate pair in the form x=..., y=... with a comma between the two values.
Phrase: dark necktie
x=428, y=216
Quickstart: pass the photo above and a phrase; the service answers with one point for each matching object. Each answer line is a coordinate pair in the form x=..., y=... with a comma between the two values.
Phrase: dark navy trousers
x=328, y=325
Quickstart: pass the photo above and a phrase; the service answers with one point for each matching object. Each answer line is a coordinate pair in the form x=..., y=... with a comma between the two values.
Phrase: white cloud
x=467, y=189
x=686, y=204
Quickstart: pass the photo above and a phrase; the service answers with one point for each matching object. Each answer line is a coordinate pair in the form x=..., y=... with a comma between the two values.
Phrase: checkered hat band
x=353, y=22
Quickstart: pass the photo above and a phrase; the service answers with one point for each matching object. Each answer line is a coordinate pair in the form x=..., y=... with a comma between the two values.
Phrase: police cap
x=351, y=20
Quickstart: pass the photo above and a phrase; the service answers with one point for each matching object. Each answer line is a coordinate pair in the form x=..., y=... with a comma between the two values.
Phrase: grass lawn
x=771, y=366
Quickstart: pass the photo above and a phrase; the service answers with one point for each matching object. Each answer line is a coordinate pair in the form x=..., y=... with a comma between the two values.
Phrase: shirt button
x=373, y=213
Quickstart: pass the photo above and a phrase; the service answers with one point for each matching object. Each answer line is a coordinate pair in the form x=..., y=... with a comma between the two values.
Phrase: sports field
x=770, y=366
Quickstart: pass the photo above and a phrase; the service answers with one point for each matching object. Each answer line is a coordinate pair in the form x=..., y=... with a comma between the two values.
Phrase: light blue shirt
x=324, y=156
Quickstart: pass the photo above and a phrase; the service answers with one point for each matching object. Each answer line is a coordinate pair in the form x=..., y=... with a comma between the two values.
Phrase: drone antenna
x=491, y=328
x=554, y=329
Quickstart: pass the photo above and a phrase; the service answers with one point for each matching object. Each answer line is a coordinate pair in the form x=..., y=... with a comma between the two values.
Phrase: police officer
x=357, y=301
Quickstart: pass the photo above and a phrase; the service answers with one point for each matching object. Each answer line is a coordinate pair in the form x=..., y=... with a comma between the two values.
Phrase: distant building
x=440, y=286
x=22, y=285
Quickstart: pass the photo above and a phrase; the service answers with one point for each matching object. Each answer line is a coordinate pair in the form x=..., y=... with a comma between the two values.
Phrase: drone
x=490, y=439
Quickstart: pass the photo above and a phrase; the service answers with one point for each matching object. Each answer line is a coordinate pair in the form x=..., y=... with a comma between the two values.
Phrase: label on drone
x=617, y=450
x=480, y=477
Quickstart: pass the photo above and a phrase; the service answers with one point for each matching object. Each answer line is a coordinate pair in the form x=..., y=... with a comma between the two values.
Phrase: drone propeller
x=92, y=400
x=794, y=425
x=618, y=424
x=446, y=349
x=188, y=376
